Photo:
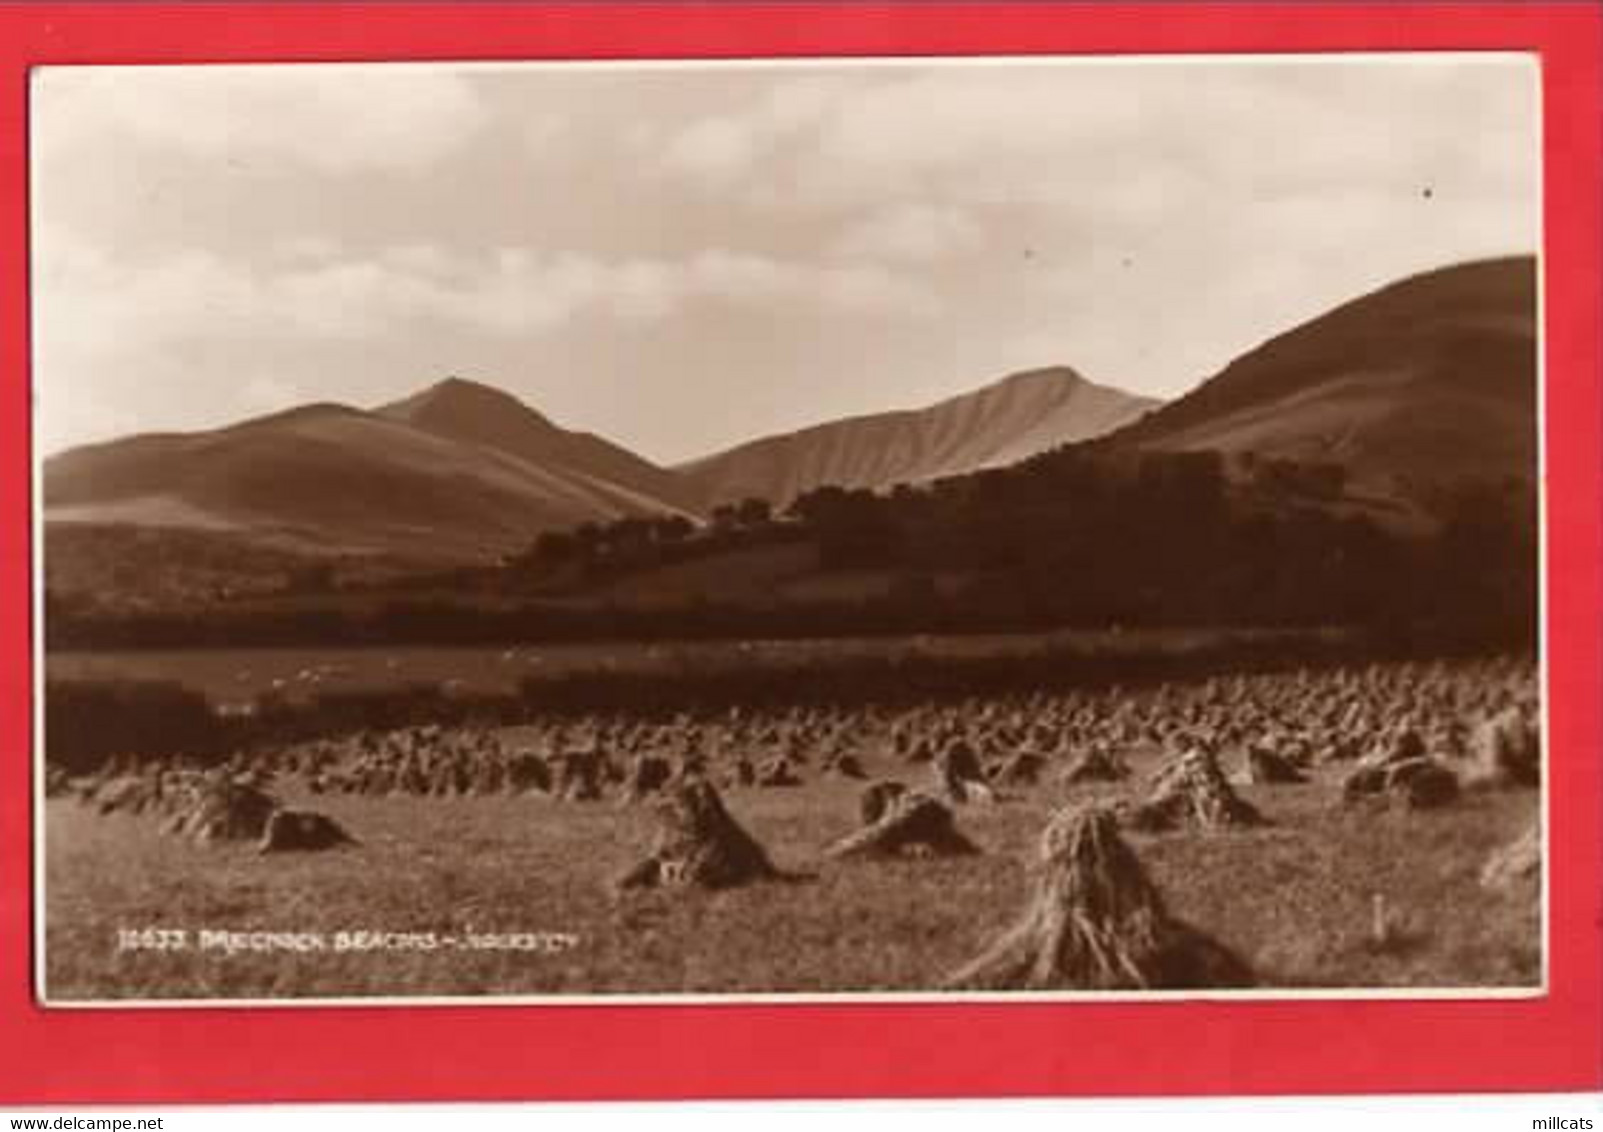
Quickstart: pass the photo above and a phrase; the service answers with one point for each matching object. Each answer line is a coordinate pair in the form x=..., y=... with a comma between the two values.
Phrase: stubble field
x=1296, y=897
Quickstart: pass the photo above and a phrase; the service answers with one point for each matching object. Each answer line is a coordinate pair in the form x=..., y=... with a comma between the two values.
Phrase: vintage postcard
x=988, y=526
x=585, y=551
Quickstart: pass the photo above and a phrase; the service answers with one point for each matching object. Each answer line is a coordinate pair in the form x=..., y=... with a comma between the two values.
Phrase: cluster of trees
x=1314, y=481
x=848, y=524
x=594, y=550
x=1079, y=538
x=1071, y=538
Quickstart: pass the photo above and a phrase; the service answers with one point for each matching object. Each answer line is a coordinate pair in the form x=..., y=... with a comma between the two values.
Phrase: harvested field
x=241, y=674
x=1328, y=891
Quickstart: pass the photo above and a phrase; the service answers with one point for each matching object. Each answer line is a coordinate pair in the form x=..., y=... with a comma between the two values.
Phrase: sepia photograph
x=989, y=528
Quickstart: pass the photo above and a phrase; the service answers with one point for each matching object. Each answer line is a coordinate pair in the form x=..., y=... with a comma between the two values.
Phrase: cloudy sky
x=681, y=258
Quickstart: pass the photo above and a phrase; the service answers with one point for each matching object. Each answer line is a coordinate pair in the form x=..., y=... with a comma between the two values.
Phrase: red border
x=1554, y=1043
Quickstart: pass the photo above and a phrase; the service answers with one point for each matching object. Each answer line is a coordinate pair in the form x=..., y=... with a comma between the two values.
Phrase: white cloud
x=937, y=224
x=729, y=149
x=1121, y=142
x=735, y=277
x=97, y=316
x=261, y=118
x=305, y=249
x=203, y=336
x=714, y=151
x=913, y=233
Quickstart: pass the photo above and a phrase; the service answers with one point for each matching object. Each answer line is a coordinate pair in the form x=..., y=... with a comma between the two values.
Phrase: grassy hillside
x=1005, y=422
x=1426, y=381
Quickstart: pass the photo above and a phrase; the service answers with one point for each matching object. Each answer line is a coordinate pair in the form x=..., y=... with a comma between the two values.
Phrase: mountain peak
x=454, y=386
x=474, y=413
x=1012, y=418
x=460, y=390
x=459, y=403
x=1044, y=375
x=1047, y=382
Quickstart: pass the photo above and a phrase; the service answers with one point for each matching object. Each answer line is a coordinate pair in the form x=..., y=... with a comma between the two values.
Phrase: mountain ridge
x=1429, y=378
x=402, y=486
x=1007, y=420
x=471, y=471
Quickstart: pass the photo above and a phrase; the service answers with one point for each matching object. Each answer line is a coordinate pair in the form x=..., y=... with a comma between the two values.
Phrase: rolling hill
x=1424, y=382
x=1415, y=388
x=482, y=415
x=460, y=471
x=1000, y=424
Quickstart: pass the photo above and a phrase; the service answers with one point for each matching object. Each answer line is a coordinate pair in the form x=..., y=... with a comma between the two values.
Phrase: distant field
x=229, y=675
x=757, y=574
x=1294, y=897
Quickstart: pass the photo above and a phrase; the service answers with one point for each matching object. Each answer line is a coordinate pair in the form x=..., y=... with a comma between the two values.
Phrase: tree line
x=1073, y=538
